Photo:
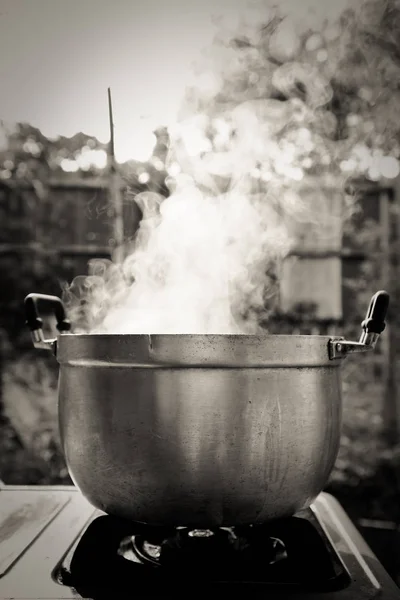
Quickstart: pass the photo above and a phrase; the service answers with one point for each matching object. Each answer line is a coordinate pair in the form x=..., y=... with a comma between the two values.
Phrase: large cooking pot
x=200, y=430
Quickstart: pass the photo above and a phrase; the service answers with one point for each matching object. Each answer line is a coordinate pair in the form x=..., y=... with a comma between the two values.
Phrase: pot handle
x=35, y=323
x=373, y=325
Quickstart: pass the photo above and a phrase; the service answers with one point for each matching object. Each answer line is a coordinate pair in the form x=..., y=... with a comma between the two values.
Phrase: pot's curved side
x=200, y=446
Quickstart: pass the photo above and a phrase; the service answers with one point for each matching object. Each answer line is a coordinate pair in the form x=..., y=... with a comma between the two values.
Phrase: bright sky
x=57, y=58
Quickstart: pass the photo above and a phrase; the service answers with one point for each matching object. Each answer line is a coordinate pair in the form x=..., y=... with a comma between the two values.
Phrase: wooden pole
x=388, y=341
x=395, y=298
x=115, y=191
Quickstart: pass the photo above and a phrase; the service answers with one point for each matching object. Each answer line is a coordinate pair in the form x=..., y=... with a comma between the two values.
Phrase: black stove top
x=54, y=544
x=291, y=553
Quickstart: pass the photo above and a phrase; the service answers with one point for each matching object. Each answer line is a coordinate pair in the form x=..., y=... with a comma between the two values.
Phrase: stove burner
x=203, y=549
x=291, y=553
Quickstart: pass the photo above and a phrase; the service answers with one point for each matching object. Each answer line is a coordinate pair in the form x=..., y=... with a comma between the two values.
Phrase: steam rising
x=201, y=264
x=207, y=258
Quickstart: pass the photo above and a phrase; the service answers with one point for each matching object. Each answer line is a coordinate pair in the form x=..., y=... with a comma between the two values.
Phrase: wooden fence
x=72, y=222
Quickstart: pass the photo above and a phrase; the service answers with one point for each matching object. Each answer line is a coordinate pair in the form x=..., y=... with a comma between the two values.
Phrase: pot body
x=200, y=431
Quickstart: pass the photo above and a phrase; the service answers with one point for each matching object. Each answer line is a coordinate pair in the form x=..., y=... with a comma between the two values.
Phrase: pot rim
x=195, y=350
x=200, y=336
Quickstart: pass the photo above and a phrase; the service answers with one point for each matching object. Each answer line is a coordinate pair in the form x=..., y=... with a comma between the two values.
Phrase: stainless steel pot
x=200, y=430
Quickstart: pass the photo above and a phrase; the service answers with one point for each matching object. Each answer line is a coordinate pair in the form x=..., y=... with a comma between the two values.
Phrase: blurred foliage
x=28, y=155
x=298, y=92
x=21, y=466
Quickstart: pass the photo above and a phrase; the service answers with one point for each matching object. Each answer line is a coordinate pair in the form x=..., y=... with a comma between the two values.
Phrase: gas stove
x=55, y=545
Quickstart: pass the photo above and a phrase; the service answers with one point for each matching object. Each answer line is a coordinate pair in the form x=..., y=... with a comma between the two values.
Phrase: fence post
x=390, y=409
x=2, y=352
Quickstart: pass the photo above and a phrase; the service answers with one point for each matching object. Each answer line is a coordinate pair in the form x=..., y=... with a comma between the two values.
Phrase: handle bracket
x=341, y=348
